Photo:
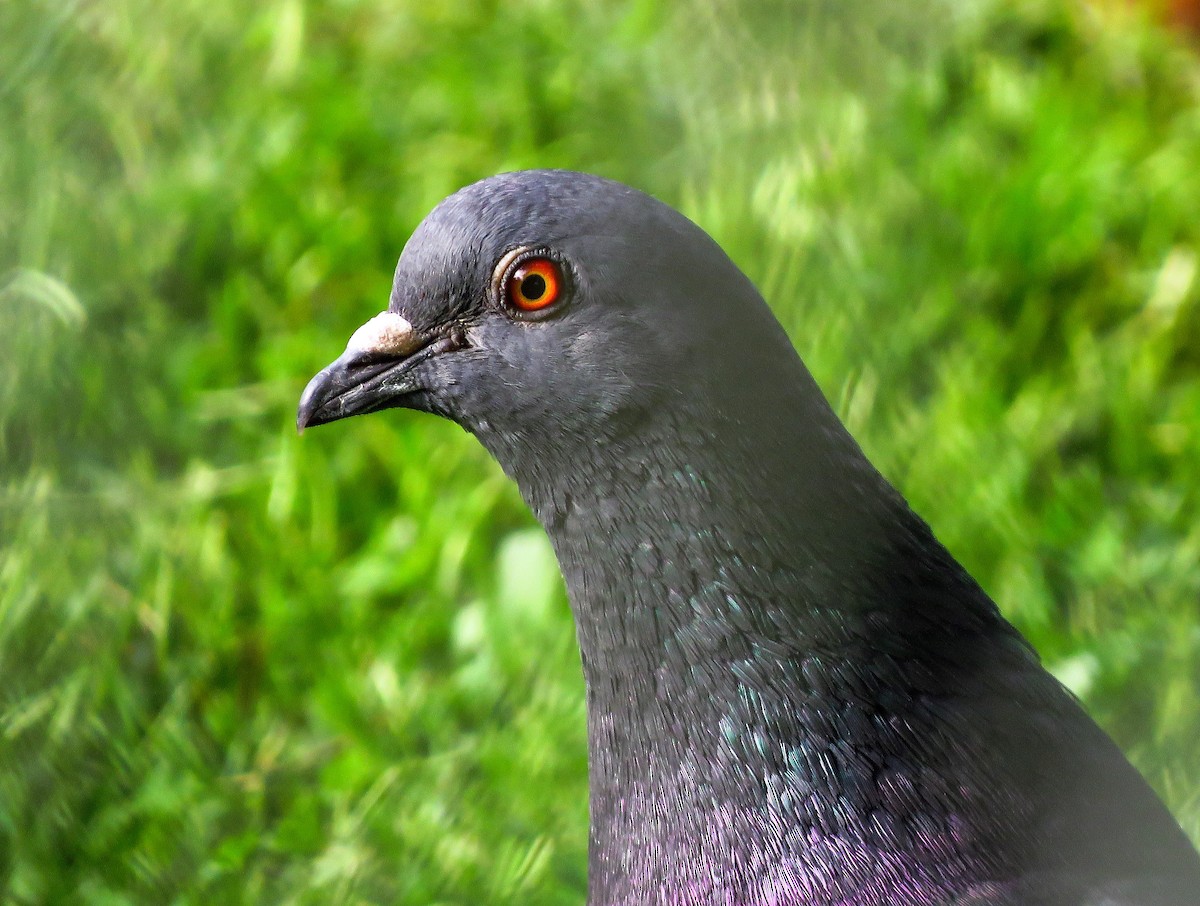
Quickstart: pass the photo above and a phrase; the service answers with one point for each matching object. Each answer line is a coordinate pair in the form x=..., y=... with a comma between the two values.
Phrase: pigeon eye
x=534, y=285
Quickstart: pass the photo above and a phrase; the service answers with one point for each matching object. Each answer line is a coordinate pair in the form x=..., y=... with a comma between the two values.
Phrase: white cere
x=385, y=334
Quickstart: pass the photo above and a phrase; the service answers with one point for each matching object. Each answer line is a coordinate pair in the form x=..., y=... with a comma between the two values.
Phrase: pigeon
x=795, y=695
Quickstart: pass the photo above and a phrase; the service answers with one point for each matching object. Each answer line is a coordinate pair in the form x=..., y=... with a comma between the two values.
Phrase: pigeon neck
x=695, y=529
x=700, y=565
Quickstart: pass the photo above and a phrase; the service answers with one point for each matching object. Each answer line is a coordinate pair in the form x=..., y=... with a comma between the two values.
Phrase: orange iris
x=536, y=284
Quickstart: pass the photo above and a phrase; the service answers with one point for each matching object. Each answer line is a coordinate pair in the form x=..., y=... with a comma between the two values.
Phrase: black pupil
x=533, y=287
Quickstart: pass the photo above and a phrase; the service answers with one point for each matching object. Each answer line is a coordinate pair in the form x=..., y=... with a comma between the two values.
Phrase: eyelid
x=503, y=266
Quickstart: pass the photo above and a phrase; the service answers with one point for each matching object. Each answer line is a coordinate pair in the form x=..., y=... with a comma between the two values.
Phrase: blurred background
x=239, y=666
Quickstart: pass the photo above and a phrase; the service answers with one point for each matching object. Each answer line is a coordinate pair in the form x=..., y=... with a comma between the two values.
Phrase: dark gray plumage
x=795, y=694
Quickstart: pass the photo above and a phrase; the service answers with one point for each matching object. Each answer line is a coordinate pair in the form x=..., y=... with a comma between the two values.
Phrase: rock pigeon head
x=546, y=311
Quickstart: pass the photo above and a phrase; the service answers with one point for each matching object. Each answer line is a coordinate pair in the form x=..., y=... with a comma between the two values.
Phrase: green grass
x=241, y=666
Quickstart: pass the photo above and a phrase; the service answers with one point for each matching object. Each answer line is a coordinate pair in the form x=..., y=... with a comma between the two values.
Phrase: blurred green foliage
x=243, y=667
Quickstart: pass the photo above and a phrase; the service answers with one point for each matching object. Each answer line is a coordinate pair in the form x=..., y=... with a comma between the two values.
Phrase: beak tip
x=311, y=401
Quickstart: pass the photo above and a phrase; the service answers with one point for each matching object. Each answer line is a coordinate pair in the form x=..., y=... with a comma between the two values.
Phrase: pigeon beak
x=375, y=370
